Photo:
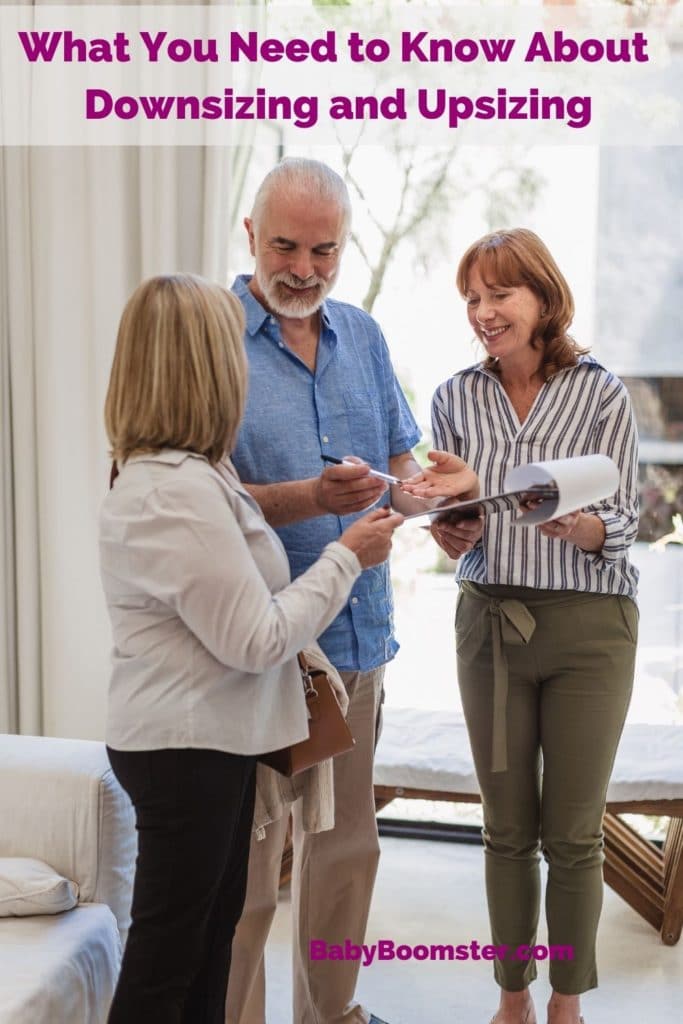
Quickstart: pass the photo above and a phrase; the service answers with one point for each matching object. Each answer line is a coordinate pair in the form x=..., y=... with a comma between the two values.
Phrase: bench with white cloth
x=425, y=755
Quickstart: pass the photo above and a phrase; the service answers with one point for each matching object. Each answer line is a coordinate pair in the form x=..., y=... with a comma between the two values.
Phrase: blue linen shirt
x=351, y=405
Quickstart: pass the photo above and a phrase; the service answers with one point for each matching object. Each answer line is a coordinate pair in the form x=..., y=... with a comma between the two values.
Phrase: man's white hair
x=299, y=176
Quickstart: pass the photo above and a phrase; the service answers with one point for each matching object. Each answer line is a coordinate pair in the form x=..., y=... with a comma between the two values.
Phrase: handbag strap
x=307, y=677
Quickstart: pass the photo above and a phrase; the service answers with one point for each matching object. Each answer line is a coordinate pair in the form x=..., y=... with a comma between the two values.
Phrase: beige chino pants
x=332, y=882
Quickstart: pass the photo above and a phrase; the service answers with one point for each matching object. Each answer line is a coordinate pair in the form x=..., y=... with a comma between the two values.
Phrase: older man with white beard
x=320, y=383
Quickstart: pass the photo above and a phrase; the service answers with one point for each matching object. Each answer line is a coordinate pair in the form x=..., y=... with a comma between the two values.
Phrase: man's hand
x=448, y=477
x=346, y=489
x=457, y=538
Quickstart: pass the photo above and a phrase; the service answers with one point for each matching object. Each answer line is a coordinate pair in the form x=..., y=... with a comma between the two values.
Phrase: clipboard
x=453, y=511
x=537, y=492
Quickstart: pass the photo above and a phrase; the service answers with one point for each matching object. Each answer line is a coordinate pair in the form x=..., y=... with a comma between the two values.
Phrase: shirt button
x=325, y=438
x=354, y=600
x=280, y=344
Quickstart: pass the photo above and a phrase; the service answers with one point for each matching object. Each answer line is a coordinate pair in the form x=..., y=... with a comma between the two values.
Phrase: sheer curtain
x=79, y=228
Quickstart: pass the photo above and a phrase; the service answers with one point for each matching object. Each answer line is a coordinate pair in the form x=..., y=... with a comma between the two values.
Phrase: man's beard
x=284, y=302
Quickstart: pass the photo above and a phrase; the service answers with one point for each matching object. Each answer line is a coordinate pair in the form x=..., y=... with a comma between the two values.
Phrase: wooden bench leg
x=673, y=883
x=650, y=880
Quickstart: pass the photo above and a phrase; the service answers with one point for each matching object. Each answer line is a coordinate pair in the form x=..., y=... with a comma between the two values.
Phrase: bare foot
x=515, y=1008
x=564, y=1009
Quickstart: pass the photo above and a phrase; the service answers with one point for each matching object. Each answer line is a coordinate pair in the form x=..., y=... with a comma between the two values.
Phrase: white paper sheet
x=580, y=481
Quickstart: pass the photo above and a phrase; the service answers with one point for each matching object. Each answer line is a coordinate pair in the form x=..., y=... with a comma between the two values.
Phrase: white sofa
x=60, y=803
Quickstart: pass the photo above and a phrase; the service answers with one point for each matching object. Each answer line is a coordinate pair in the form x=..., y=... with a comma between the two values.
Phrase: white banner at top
x=200, y=75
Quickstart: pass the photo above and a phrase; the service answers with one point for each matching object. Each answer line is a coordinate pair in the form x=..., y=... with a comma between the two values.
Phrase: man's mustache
x=292, y=281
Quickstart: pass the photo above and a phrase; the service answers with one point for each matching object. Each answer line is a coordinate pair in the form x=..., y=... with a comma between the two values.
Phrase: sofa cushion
x=66, y=808
x=429, y=749
x=61, y=969
x=29, y=886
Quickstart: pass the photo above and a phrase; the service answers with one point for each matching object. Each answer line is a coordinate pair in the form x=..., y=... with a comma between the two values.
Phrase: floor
x=431, y=893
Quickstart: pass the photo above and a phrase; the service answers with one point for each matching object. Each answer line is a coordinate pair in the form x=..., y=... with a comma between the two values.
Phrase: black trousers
x=194, y=811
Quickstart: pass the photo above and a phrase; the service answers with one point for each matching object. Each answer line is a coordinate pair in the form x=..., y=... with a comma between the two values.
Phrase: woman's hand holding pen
x=348, y=487
x=449, y=476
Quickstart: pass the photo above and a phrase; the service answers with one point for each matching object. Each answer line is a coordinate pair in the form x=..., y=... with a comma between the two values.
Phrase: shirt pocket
x=365, y=424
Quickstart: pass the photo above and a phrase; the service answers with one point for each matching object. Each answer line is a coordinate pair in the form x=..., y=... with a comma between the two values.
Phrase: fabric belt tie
x=511, y=623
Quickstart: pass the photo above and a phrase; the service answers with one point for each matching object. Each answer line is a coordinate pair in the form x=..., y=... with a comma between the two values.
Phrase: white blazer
x=206, y=623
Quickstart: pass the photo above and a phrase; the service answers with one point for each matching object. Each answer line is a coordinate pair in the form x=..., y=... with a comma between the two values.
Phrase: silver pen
x=372, y=472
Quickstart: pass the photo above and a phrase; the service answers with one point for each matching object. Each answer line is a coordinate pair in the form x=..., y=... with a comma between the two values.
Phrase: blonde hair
x=519, y=257
x=179, y=374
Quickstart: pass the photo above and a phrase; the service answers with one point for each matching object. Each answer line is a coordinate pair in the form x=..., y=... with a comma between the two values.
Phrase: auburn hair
x=519, y=257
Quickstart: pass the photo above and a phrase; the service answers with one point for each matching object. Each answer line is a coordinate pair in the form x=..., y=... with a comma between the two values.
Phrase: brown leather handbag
x=329, y=734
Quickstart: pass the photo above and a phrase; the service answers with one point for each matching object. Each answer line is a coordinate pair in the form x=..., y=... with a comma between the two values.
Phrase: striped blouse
x=581, y=410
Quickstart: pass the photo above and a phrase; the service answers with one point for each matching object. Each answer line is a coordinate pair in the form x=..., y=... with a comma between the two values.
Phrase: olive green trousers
x=545, y=679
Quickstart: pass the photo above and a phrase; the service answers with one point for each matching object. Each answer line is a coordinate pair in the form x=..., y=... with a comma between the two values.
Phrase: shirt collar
x=256, y=314
x=168, y=456
x=584, y=360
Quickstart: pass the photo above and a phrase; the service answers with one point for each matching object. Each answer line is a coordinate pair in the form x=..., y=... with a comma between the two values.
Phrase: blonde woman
x=206, y=627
